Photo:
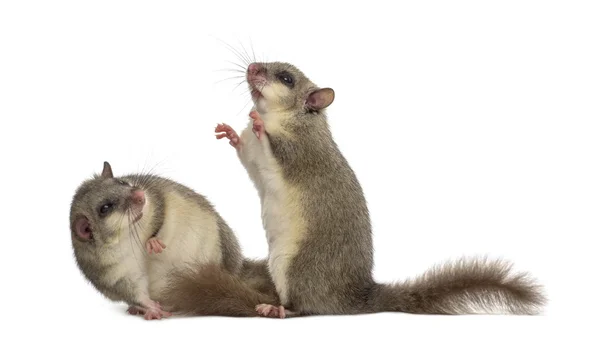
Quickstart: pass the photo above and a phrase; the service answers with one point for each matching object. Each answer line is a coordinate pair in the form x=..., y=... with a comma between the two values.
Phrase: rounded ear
x=107, y=171
x=320, y=98
x=82, y=229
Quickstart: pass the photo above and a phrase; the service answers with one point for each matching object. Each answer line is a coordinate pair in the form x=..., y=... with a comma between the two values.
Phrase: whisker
x=131, y=240
x=129, y=220
x=236, y=52
x=242, y=68
x=121, y=231
x=231, y=70
x=229, y=79
x=245, y=105
x=252, y=48
x=248, y=58
x=136, y=232
x=238, y=85
x=246, y=92
x=147, y=178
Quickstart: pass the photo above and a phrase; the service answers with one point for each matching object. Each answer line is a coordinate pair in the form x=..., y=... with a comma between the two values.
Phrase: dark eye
x=106, y=208
x=286, y=78
x=122, y=182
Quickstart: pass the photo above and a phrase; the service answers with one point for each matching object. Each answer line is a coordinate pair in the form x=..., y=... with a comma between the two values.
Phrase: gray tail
x=208, y=290
x=466, y=286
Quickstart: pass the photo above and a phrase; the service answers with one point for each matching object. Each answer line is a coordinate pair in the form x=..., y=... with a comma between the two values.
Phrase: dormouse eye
x=106, y=208
x=122, y=182
x=286, y=78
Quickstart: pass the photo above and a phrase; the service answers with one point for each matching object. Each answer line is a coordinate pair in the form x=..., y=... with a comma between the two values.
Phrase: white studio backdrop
x=472, y=126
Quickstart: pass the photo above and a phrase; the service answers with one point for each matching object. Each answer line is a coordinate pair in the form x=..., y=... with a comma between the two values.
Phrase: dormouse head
x=104, y=206
x=279, y=87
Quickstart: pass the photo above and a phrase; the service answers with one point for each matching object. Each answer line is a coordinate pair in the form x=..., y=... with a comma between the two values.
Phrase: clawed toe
x=268, y=310
x=154, y=245
x=226, y=131
x=258, y=126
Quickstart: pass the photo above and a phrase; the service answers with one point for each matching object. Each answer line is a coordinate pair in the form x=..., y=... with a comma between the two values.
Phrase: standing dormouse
x=317, y=222
x=144, y=240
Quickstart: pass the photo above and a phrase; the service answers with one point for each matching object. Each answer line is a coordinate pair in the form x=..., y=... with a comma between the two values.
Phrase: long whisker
x=230, y=70
x=229, y=79
x=252, y=48
x=242, y=68
x=133, y=226
x=131, y=239
x=145, y=178
x=247, y=92
x=238, y=85
x=244, y=108
x=121, y=231
x=236, y=52
x=247, y=56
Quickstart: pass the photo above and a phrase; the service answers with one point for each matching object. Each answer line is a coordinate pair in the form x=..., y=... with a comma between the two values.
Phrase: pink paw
x=154, y=311
x=152, y=314
x=268, y=310
x=225, y=130
x=154, y=245
x=258, y=126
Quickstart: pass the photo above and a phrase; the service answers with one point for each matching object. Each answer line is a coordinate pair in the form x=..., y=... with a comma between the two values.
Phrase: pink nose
x=254, y=68
x=138, y=197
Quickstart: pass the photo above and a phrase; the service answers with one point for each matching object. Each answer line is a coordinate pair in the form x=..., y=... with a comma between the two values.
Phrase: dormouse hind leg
x=155, y=245
x=224, y=130
x=136, y=295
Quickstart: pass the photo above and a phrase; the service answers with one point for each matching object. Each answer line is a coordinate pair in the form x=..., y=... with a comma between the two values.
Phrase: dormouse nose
x=138, y=197
x=254, y=68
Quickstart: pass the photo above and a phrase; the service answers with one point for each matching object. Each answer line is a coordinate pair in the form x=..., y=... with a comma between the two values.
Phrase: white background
x=473, y=127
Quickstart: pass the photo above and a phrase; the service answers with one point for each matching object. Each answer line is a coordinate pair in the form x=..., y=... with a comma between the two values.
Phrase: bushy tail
x=208, y=290
x=467, y=286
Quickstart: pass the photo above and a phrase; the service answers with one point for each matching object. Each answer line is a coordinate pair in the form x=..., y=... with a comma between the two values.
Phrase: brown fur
x=467, y=286
x=208, y=290
x=256, y=274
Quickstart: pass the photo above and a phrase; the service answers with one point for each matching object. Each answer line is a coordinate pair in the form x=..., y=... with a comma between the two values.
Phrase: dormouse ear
x=82, y=229
x=320, y=98
x=107, y=171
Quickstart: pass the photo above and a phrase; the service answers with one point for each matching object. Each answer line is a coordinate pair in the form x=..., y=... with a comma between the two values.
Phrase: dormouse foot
x=152, y=310
x=258, y=126
x=268, y=310
x=136, y=310
x=154, y=245
x=225, y=130
x=152, y=314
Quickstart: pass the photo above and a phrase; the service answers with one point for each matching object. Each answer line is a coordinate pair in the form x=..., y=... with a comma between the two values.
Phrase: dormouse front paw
x=155, y=245
x=224, y=130
x=258, y=127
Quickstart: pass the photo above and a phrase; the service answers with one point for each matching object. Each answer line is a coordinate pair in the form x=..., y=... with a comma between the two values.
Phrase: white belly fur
x=280, y=221
x=191, y=235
